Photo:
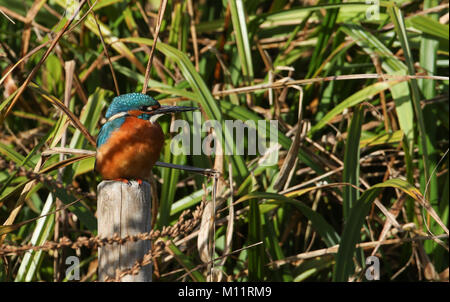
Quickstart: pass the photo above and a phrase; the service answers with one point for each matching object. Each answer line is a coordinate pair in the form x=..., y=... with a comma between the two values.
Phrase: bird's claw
x=124, y=180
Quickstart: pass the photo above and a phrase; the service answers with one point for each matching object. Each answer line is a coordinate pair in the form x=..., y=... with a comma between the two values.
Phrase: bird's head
x=142, y=105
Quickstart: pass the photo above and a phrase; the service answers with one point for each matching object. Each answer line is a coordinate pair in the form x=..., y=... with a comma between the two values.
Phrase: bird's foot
x=124, y=180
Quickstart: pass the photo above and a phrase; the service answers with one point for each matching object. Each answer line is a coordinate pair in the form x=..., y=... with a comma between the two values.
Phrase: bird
x=131, y=140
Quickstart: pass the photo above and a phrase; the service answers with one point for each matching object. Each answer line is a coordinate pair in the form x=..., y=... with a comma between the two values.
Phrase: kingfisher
x=131, y=140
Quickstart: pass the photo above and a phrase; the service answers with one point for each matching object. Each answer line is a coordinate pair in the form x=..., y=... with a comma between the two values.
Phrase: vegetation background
x=362, y=159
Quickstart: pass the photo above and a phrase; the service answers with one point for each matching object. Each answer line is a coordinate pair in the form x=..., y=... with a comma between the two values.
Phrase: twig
x=7, y=17
x=116, y=85
x=334, y=249
x=193, y=32
x=218, y=258
x=162, y=8
x=39, y=64
x=291, y=157
x=37, y=48
x=285, y=83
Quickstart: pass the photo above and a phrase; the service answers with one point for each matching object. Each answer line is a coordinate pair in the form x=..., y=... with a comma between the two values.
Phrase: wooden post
x=124, y=209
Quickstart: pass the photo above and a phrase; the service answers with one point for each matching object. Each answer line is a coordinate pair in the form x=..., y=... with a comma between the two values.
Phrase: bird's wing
x=107, y=129
x=105, y=132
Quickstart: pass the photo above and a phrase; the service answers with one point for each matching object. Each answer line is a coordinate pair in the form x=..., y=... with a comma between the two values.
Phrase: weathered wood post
x=124, y=209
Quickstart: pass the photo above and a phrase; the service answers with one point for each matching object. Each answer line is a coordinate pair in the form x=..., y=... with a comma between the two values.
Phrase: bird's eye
x=149, y=108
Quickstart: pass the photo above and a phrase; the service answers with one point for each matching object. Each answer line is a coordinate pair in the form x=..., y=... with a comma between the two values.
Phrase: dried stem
x=162, y=8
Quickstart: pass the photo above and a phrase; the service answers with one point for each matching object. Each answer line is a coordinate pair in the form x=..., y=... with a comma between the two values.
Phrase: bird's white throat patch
x=153, y=118
x=116, y=116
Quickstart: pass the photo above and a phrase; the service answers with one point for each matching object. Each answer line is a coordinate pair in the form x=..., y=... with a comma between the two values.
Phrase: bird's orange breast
x=131, y=151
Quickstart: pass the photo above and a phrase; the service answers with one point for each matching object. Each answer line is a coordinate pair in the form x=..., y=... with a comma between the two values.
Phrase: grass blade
x=326, y=231
x=185, y=262
x=351, y=161
x=360, y=96
x=428, y=58
x=399, y=25
x=32, y=259
x=256, y=259
x=391, y=65
x=351, y=234
x=242, y=38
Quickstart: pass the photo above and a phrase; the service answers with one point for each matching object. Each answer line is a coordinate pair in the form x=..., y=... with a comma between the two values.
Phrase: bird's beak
x=171, y=109
x=156, y=113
